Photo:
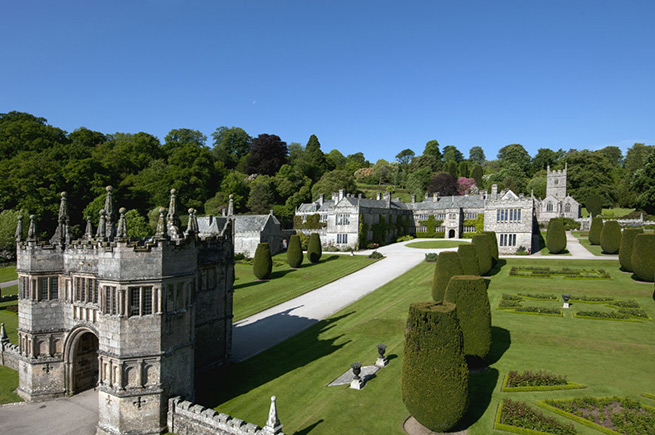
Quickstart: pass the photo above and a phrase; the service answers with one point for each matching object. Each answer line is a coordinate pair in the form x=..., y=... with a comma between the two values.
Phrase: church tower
x=556, y=183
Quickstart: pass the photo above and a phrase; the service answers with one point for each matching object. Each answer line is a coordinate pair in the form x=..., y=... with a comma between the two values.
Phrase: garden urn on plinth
x=382, y=360
x=357, y=383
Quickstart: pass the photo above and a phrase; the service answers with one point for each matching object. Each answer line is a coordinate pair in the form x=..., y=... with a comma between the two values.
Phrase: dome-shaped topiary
x=556, y=236
x=469, y=294
x=625, y=251
x=447, y=265
x=434, y=378
x=262, y=265
x=314, y=249
x=483, y=249
x=610, y=237
x=468, y=259
x=595, y=230
x=294, y=252
x=494, y=246
x=643, y=257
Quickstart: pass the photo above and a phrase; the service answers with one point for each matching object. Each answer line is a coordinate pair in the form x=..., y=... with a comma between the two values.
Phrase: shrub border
x=513, y=310
x=515, y=429
x=648, y=396
x=539, y=299
x=568, y=386
x=581, y=420
x=631, y=319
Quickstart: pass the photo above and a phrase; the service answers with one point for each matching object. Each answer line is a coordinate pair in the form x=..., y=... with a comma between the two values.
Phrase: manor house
x=136, y=319
x=345, y=219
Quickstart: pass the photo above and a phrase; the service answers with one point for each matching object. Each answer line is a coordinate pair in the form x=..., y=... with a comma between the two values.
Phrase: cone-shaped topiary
x=314, y=249
x=610, y=237
x=262, y=265
x=469, y=294
x=481, y=243
x=625, y=251
x=494, y=246
x=643, y=257
x=447, y=265
x=556, y=236
x=595, y=230
x=468, y=259
x=294, y=252
x=434, y=378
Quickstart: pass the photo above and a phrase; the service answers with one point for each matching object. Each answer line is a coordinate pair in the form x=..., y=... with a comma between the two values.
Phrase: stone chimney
x=379, y=196
x=321, y=199
x=335, y=196
x=426, y=196
x=387, y=199
x=494, y=191
x=413, y=198
x=359, y=195
x=342, y=194
x=435, y=196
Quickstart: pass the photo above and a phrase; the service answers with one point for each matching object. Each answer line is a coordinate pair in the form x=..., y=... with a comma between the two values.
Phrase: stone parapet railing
x=187, y=418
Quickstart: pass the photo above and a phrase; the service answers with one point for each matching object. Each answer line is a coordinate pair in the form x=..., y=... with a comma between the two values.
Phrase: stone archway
x=81, y=360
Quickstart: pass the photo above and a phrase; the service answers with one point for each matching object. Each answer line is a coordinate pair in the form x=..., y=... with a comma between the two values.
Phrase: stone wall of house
x=187, y=418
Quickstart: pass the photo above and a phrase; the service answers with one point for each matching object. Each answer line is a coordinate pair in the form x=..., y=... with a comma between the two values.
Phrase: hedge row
x=483, y=248
x=314, y=249
x=595, y=230
x=434, y=376
x=610, y=237
x=469, y=294
x=447, y=266
x=556, y=236
x=294, y=252
x=625, y=250
x=263, y=263
x=643, y=257
x=468, y=259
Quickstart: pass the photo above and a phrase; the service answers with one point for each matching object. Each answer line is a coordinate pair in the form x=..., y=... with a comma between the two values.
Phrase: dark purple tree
x=267, y=155
x=444, y=183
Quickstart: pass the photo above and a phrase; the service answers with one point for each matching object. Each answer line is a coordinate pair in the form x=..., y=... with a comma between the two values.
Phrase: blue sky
x=370, y=76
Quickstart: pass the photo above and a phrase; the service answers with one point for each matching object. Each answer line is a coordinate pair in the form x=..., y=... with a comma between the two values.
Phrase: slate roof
x=446, y=202
x=252, y=222
x=315, y=207
x=374, y=203
x=211, y=224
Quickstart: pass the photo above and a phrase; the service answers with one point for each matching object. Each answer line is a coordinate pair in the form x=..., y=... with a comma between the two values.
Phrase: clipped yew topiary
x=434, y=378
x=643, y=257
x=468, y=259
x=625, y=251
x=294, y=252
x=556, y=236
x=482, y=248
x=494, y=246
x=610, y=237
x=263, y=263
x=469, y=294
x=447, y=265
x=595, y=230
x=314, y=249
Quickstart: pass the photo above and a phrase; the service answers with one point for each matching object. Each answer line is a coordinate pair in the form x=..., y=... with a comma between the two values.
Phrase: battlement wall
x=187, y=418
x=9, y=355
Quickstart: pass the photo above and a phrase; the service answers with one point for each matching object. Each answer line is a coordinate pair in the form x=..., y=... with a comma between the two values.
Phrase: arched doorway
x=81, y=361
x=451, y=234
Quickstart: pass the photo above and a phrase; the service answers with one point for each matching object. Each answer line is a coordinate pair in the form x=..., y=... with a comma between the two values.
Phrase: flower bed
x=591, y=299
x=517, y=417
x=610, y=415
x=539, y=296
x=565, y=272
x=536, y=381
x=625, y=304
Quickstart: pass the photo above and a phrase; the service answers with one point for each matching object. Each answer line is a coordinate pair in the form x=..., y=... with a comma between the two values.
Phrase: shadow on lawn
x=309, y=428
x=499, y=264
x=501, y=340
x=225, y=383
x=481, y=388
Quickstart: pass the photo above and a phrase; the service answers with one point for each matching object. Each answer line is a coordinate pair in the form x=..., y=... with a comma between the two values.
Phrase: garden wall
x=186, y=418
x=9, y=355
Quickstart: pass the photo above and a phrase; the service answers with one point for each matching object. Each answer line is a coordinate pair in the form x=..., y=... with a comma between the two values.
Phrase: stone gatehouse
x=136, y=319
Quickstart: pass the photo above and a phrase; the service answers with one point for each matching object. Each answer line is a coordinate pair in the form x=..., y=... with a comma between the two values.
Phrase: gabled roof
x=315, y=207
x=252, y=222
x=211, y=224
x=446, y=202
x=509, y=195
x=372, y=203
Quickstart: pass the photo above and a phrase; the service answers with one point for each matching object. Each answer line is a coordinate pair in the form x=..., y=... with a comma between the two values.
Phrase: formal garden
x=609, y=358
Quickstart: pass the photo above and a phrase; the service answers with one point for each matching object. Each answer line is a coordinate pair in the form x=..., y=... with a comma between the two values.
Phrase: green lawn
x=583, y=237
x=11, y=290
x=8, y=383
x=252, y=296
x=609, y=357
x=616, y=212
x=8, y=273
x=436, y=244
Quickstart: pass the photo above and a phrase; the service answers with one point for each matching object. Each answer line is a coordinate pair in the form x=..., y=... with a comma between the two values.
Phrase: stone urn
x=357, y=369
x=382, y=360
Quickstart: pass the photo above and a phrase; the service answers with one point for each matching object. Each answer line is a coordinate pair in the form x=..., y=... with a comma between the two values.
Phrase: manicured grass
x=584, y=241
x=611, y=358
x=8, y=383
x=436, y=244
x=11, y=324
x=609, y=212
x=252, y=296
x=8, y=273
x=11, y=290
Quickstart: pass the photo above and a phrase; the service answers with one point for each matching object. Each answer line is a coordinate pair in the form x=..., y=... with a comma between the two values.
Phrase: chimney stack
x=379, y=196
x=494, y=191
x=413, y=198
x=321, y=199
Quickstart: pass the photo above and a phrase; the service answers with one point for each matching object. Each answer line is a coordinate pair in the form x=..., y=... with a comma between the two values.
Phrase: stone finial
x=121, y=231
x=62, y=234
x=273, y=425
x=230, y=206
x=19, y=229
x=101, y=234
x=88, y=232
x=161, y=224
x=4, y=338
x=109, y=213
x=172, y=219
x=192, y=226
x=31, y=231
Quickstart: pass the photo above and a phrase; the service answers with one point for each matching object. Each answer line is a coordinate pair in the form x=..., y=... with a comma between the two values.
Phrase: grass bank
x=436, y=244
